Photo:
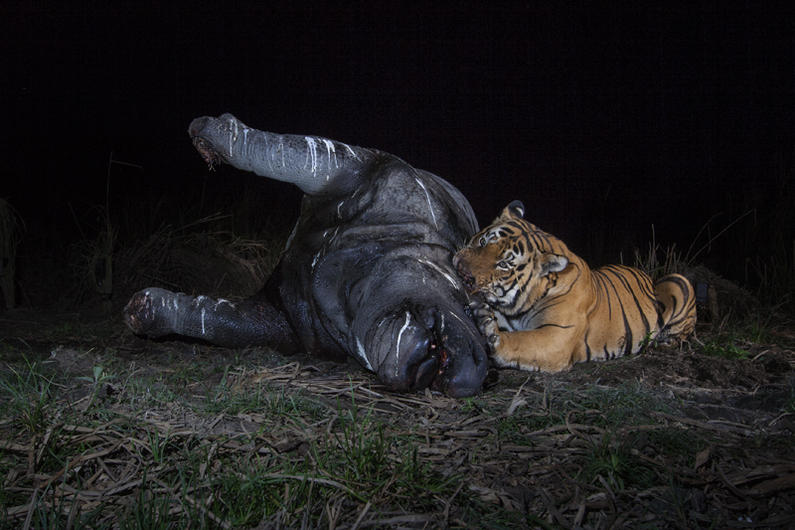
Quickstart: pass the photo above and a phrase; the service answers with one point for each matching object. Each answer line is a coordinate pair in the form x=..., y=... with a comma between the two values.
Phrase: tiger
x=541, y=307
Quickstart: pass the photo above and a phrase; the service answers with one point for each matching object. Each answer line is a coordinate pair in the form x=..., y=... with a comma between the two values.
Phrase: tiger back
x=541, y=307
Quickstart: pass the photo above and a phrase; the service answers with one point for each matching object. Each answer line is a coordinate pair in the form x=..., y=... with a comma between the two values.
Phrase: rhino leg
x=316, y=165
x=156, y=312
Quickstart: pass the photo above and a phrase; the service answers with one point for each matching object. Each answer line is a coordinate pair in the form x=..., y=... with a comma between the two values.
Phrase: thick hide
x=366, y=272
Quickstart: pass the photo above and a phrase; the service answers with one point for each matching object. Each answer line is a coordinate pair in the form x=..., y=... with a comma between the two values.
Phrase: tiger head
x=511, y=263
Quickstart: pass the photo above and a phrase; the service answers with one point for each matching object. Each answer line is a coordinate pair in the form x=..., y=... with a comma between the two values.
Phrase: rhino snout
x=443, y=354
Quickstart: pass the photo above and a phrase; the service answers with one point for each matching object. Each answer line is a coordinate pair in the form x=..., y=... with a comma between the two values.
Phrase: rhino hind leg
x=316, y=165
x=156, y=312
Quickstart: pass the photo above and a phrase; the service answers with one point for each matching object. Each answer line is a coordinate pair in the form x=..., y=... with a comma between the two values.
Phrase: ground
x=104, y=429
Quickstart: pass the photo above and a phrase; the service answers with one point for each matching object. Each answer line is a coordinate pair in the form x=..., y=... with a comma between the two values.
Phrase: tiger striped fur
x=541, y=307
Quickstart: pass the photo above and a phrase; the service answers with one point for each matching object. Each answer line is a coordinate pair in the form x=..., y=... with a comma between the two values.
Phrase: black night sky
x=604, y=120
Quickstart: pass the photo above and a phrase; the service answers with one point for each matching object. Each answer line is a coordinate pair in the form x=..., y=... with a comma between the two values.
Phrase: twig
x=361, y=516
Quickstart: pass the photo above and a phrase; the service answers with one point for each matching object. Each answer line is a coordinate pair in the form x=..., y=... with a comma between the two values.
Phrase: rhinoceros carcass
x=366, y=272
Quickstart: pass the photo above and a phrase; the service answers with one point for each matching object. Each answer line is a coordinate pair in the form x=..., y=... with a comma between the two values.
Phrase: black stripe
x=637, y=275
x=627, y=330
x=561, y=326
x=678, y=314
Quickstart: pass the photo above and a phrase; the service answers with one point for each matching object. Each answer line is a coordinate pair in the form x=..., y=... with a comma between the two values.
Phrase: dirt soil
x=669, y=438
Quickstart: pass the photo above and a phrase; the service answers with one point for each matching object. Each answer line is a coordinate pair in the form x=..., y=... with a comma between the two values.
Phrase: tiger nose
x=466, y=276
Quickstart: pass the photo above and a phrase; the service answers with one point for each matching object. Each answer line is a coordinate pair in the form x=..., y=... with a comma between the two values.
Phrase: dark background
x=605, y=121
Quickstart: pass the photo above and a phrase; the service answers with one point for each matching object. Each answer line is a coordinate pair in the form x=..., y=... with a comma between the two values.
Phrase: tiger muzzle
x=467, y=278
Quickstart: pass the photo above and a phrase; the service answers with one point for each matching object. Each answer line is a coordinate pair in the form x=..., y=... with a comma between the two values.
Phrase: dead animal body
x=366, y=272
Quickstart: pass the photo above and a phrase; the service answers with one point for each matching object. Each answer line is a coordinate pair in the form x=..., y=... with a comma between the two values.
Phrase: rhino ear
x=553, y=263
x=513, y=211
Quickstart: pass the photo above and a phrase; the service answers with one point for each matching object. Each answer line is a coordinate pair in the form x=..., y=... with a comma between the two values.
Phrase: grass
x=112, y=432
x=289, y=446
x=726, y=350
x=26, y=392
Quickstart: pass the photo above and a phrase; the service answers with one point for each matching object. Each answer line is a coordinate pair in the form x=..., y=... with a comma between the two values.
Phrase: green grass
x=25, y=392
x=725, y=349
x=199, y=443
x=614, y=462
x=626, y=404
x=229, y=399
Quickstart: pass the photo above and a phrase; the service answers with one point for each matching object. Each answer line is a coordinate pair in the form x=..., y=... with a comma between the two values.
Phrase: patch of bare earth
x=668, y=438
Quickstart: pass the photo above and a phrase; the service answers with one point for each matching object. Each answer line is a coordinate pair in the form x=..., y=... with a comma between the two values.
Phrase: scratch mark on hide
x=454, y=316
x=428, y=198
x=363, y=354
x=223, y=301
x=397, y=346
x=311, y=154
x=352, y=152
x=233, y=136
x=438, y=269
x=290, y=238
x=330, y=150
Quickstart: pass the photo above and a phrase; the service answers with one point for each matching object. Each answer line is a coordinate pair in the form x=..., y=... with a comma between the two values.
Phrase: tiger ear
x=512, y=211
x=553, y=263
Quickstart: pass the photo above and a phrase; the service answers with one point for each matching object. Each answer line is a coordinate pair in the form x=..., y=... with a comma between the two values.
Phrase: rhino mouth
x=430, y=372
x=405, y=351
x=418, y=349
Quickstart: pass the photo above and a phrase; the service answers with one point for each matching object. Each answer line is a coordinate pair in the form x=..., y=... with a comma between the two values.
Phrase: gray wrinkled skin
x=367, y=270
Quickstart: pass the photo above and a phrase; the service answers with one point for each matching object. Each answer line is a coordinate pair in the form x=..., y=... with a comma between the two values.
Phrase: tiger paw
x=486, y=322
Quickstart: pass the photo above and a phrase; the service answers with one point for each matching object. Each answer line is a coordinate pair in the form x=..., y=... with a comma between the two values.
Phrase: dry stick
x=323, y=481
x=31, y=507
x=553, y=512
x=580, y=515
x=80, y=460
x=361, y=516
x=196, y=504
x=44, y=444
x=742, y=495
x=515, y=402
x=449, y=502
x=7, y=445
x=728, y=429
x=398, y=519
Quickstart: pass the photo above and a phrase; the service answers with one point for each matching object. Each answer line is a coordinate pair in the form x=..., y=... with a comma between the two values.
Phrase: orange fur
x=542, y=307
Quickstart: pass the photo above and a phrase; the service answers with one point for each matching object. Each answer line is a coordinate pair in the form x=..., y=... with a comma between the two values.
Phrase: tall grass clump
x=25, y=396
x=657, y=261
x=201, y=256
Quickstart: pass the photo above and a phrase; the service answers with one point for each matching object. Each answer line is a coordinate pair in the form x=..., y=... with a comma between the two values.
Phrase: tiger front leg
x=547, y=349
x=487, y=323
